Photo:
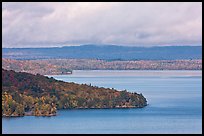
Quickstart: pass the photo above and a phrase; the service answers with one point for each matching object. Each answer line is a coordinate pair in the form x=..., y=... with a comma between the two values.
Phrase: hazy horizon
x=105, y=45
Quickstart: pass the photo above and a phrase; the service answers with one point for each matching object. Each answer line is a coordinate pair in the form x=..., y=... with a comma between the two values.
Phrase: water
x=174, y=98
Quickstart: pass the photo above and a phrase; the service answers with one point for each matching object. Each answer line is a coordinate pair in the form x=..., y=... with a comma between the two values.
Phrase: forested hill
x=28, y=94
x=106, y=52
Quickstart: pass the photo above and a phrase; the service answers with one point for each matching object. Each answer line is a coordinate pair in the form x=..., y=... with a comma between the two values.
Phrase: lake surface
x=174, y=105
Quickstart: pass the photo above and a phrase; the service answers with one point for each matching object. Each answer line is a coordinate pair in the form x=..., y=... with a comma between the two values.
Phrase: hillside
x=29, y=66
x=28, y=94
x=106, y=52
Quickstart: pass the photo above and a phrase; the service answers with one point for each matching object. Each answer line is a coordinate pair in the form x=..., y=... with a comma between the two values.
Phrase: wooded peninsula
x=37, y=95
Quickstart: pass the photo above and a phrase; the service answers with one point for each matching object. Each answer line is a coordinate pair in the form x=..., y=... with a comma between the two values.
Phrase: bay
x=174, y=105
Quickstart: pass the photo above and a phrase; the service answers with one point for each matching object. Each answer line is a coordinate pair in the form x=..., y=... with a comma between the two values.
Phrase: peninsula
x=37, y=95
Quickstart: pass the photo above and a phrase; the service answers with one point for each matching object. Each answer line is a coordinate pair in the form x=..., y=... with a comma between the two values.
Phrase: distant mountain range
x=108, y=52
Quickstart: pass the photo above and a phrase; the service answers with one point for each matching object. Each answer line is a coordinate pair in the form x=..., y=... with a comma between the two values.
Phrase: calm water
x=174, y=98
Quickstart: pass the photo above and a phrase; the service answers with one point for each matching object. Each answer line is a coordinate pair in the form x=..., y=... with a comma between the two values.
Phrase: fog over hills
x=108, y=52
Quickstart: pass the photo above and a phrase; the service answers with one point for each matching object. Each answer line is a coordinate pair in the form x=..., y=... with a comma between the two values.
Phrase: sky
x=48, y=24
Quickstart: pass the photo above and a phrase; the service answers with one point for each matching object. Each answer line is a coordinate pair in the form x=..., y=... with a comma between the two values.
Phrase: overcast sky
x=130, y=24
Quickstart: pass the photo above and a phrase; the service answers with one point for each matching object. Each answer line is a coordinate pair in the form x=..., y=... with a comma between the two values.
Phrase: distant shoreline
x=66, y=66
x=133, y=73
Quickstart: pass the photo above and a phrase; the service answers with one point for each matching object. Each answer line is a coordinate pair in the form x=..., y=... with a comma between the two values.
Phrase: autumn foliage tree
x=27, y=94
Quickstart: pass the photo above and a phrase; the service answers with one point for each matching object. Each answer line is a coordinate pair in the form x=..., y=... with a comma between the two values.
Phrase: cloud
x=132, y=24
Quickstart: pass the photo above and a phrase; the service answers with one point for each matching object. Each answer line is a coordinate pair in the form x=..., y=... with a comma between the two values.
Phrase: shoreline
x=130, y=107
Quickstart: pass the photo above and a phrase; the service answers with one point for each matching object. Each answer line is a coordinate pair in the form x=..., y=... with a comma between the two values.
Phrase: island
x=25, y=94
